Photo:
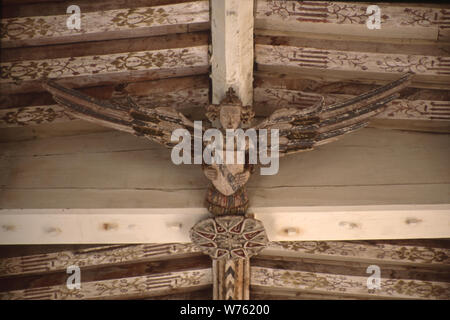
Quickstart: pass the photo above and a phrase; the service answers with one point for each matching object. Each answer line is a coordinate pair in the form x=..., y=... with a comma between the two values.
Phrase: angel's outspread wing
x=303, y=129
x=156, y=124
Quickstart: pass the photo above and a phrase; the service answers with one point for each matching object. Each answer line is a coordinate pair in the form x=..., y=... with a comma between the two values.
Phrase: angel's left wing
x=156, y=124
x=303, y=129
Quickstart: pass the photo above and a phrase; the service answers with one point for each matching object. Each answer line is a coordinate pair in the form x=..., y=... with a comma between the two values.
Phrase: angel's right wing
x=156, y=124
x=304, y=129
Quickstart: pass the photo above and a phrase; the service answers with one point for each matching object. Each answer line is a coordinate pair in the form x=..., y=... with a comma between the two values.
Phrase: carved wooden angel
x=299, y=129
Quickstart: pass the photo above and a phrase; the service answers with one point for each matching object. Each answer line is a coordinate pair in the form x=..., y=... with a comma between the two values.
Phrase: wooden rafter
x=109, y=24
x=232, y=49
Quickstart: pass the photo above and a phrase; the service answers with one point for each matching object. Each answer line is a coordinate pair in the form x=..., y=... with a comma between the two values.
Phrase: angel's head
x=230, y=112
x=230, y=116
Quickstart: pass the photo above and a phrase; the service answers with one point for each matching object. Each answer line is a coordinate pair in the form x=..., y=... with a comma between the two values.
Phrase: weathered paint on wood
x=333, y=85
x=316, y=282
x=102, y=25
x=16, y=72
x=95, y=257
x=389, y=252
x=27, y=8
x=313, y=58
x=345, y=43
x=349, y=18
x=231, y=279
x=123, y=288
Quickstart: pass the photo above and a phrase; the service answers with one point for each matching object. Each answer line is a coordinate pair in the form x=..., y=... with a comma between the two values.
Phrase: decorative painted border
x=344, y=284
x=362, y=251
x=347, y=13
x=39, y=27
x=103, y=64
x=150, y=285
x=102, y=255
x=303, y=57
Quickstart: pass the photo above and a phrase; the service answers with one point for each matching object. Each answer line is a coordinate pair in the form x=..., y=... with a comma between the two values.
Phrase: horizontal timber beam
x=50, y=226
x=344, y=285
x=424, y=22
x=187, y=55
x=121, y=288
x=400, y=253
x=433, y=70
x=105, y=24
x=28, y=8
x=232, y=49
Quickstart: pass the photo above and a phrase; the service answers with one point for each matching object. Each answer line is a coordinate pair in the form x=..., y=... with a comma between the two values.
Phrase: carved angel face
x=230, y=116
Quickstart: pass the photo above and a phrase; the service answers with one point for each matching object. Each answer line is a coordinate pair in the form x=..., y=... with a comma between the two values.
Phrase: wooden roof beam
x=232, y=49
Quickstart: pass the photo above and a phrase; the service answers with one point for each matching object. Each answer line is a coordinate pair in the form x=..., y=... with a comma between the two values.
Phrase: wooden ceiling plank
x=27, y=8
x=105, y=69
x=97, y=48
x=425, y=81
x=354, y=285
x=54, y=198
x=362, y=251
x=121, y=288
x=295, y=80
x=65, y=162
x=341, y=18
x=432, y=48
x=111, y=270
x=424, y=272
x=103, y=25
x=123, y=76
x=349, y=39
x=297, y=59
x=341, y=86
x=269, y=293
x=154, y=89
x=95, y=257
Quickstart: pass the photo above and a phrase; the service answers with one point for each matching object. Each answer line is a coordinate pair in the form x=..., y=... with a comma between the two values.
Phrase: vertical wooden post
x=232, y=67
x=230, y=240
x=231, y=279
x=232, y=49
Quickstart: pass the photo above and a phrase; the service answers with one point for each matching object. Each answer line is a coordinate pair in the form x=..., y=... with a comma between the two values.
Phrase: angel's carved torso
x=230, y=177
x=227, y=181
